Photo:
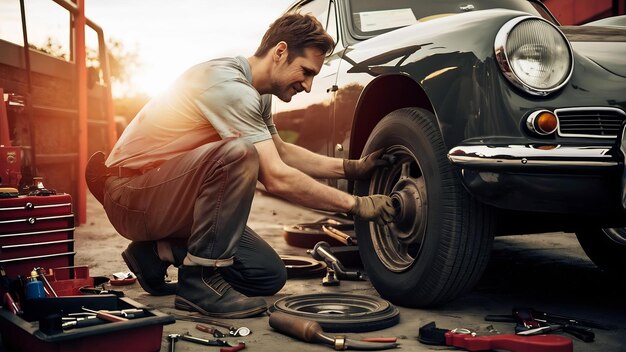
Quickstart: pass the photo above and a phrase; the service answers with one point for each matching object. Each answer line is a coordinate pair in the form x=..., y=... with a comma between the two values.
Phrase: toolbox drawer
x=36, y=231
x=24, y=207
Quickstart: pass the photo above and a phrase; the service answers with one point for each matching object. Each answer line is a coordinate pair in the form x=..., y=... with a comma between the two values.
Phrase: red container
x=36, y=231
x=67, y=281
x=135, y=335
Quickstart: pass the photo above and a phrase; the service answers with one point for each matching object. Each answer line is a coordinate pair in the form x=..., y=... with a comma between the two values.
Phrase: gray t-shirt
x=210, y=101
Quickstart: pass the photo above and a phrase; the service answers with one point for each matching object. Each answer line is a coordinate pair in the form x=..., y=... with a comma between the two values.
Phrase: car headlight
x=534, y=55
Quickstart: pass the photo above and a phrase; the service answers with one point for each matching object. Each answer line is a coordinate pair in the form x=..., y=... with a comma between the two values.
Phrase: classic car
x=498, y=121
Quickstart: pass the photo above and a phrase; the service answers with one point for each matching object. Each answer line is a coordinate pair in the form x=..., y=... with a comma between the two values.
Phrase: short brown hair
x=299, y=32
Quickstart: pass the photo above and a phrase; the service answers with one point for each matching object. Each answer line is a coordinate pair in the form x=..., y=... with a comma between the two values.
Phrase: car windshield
x=374, y=17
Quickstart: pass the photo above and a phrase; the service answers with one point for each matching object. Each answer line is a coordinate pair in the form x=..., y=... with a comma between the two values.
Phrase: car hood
x=606, y=46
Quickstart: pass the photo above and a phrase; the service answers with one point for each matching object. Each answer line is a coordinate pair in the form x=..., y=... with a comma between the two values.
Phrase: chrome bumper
x=552, y=157
x=552, y=178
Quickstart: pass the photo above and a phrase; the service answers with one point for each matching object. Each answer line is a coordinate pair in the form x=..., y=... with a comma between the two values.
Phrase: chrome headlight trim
x=504, y=62
x=530, y=122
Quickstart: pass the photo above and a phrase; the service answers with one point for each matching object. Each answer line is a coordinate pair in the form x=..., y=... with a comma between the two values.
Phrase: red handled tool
x=105, y=315
x=463, y=338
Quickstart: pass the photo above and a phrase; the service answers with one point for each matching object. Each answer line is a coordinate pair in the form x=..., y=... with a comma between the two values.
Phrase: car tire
x=439, y=244
x=606, y=248
x=340, y=312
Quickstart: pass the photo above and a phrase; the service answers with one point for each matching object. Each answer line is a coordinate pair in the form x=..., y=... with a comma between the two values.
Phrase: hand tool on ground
x=105, y=315
x=217, y=342
x=539, y=331
x=429, y=334
x=582, y=333
x=172, y=338
x=339, y=235
x=526, y=320
x=561, y=319
x=240, y=346
x=211, y=330
x=311, y=331
x=549, y=317
x=322, y=251
x=232, y=331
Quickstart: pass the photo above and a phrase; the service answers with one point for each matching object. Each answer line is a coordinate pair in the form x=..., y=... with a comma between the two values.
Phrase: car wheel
x=440, y=241
x=606, y=248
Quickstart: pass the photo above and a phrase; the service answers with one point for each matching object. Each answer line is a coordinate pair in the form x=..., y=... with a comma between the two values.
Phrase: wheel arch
x=383, y=95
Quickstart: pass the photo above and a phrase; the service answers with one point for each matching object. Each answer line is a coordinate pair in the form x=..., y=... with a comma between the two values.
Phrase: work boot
x=203, y=289
x=143, y=260
x=95, y=175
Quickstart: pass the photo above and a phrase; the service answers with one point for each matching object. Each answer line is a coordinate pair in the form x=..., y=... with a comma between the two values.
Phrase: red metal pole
x=81, y=79
x=5, y=139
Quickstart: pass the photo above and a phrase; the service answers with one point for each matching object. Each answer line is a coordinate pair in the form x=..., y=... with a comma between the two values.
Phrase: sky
x=168, y=35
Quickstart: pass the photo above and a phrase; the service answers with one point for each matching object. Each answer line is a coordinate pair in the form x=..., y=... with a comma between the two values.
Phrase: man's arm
x=312, y=164
x=294, y=185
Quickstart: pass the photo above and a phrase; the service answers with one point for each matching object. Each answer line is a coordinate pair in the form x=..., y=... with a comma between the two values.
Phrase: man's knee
x=275, y=283
x=242, y=148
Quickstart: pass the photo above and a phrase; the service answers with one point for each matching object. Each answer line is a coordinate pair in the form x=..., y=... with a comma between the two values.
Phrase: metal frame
x=77, y=24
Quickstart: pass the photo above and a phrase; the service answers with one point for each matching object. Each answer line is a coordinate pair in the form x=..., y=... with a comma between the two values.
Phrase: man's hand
x=376, y=208
x=363, y=168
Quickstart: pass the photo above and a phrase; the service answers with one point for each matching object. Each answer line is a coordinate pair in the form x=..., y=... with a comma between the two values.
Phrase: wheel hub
x=410, y=206
x=398, y=244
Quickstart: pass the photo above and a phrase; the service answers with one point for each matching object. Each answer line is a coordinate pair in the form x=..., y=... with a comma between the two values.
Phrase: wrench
x=232, y=331
x=187, y=337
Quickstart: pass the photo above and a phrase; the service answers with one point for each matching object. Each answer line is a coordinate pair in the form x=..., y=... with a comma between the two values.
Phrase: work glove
x=362, y=169
x=376, y=208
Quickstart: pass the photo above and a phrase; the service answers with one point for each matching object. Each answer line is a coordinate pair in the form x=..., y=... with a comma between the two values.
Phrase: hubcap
x=398, y=244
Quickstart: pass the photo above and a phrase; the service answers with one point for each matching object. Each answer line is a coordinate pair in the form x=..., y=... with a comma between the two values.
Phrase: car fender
x=445, y=72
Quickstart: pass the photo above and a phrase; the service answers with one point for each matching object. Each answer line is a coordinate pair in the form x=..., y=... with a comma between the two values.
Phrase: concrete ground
x=548, y=272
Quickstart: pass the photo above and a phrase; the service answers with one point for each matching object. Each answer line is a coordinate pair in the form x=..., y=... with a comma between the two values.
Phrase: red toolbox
x=26, y=334
x=36, y=231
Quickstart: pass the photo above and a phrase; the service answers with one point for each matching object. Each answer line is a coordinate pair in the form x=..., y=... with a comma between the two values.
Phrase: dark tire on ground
x=439, y=245
x=606, y=248
x=340, y=312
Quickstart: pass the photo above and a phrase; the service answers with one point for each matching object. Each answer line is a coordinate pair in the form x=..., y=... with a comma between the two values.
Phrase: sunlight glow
x=171, y=36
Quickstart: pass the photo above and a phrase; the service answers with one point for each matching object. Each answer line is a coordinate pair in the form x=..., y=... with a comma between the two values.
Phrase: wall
x=570, y=12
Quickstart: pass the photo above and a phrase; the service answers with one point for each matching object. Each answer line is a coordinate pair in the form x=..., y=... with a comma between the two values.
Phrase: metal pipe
x=81, y=83
x=29, y=94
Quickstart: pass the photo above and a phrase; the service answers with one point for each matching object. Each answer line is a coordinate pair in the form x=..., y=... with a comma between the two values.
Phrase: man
x=179, y=182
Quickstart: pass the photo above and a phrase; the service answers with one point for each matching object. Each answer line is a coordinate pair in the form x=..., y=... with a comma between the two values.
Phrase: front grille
x=601, y=122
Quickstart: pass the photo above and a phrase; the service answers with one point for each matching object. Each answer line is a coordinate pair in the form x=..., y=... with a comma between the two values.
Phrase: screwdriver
x=102, y=314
